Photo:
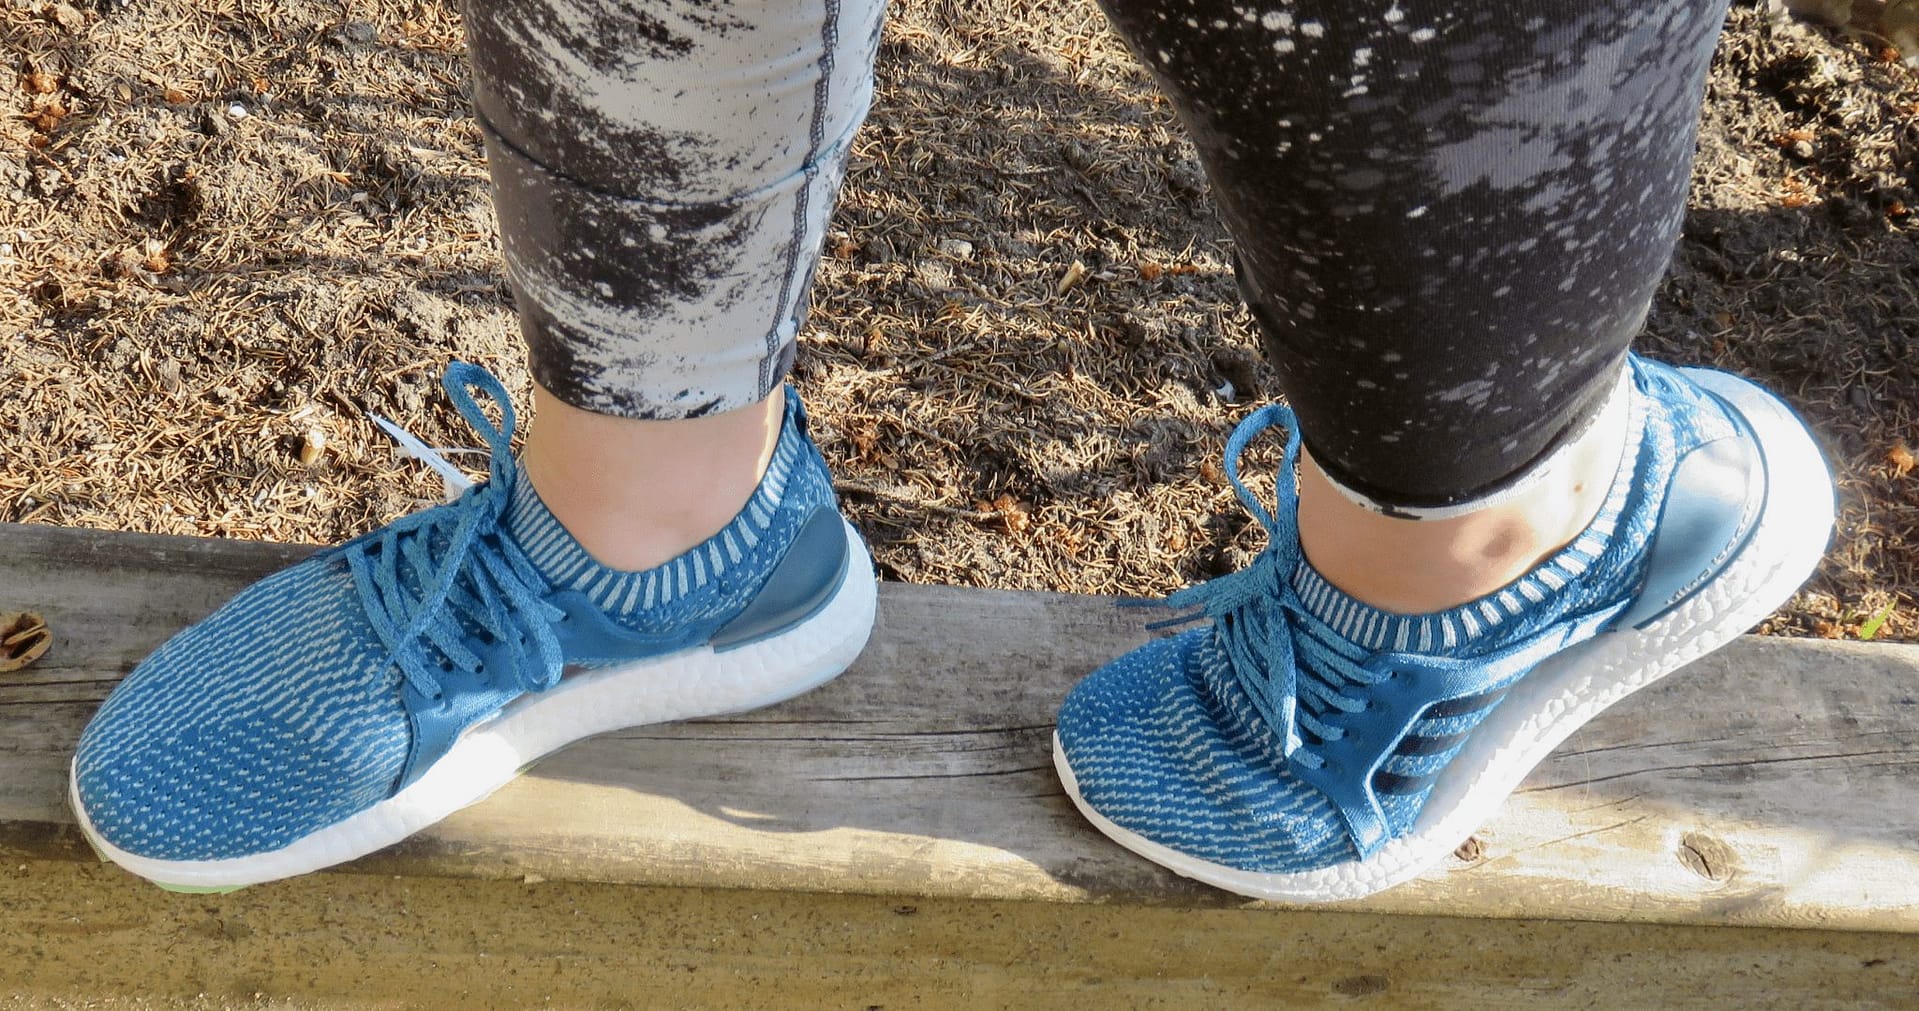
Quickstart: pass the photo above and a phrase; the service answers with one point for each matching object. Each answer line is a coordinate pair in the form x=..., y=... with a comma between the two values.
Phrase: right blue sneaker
x=342, y=704
x=1306, y=747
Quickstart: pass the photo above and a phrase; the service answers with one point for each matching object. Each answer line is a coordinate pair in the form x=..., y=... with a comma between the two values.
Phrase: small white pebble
x=237, y=111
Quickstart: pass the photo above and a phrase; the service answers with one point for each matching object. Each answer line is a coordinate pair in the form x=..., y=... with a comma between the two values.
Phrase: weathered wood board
x=1769, y=785
x=80, y=935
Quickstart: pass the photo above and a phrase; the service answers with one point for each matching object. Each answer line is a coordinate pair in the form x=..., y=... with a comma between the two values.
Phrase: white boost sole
x=1564, y=692
x=692, y=683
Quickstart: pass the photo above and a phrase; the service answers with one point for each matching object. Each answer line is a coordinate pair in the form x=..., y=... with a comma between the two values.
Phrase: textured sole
x=692, y=683
x=1569, y=689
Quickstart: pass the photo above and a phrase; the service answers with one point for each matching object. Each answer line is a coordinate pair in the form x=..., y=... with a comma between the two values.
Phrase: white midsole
x=692, y=683
x=1569, y=689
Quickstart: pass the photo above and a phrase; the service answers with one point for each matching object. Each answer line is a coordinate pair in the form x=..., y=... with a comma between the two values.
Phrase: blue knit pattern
x=1197, y=743
x=290, y=708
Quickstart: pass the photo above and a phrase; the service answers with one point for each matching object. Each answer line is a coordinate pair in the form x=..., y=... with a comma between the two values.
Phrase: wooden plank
x=1770, y=785
x=79, y=935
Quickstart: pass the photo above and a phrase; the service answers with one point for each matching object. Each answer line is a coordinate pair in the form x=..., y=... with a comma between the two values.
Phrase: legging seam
x=802, y=201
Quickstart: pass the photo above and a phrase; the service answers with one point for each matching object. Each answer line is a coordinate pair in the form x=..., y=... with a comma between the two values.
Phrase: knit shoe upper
x=324, y=689
x=1302, y=729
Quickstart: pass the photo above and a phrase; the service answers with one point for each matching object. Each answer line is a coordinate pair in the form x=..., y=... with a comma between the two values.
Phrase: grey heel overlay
x=801, y=584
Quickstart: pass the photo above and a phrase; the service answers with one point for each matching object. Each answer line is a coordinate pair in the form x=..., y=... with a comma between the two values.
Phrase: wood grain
x=1771, y=784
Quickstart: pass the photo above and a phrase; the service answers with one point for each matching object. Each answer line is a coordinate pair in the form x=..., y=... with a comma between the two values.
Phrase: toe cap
x=276, y=716
x=1164, y=744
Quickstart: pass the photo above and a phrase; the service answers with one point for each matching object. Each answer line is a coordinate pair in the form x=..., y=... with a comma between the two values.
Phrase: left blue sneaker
x=1306, y=747
x=344, y=703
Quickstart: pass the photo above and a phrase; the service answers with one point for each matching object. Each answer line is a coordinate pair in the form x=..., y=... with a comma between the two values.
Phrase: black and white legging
x=1449, y=216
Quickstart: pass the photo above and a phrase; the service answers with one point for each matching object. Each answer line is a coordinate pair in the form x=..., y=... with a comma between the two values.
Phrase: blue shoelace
x=1284, y=657
x=435, y=581
x=1255, y=610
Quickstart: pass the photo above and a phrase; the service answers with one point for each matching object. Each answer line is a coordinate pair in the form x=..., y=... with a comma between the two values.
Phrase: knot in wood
x=23, y=638
x=1708, y=857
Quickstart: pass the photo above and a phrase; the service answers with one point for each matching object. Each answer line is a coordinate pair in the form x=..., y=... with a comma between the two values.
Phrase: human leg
x=1449, y=222
x=663, y=173
x=1449, y=219
x=668, y=548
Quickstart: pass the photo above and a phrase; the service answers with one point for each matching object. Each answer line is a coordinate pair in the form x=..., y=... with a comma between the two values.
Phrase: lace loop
x=1285, y=493
x=440, y=582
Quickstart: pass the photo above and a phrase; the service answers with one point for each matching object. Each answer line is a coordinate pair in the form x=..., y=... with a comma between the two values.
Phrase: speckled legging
x=1449, y=216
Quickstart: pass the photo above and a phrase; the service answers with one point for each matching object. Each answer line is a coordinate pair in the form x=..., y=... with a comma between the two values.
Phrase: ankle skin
x=636, y=494
x=1418, y=566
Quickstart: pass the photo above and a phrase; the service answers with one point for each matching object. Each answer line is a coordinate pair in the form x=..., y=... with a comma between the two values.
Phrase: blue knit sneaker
x=1306, y=747
x=367, y=692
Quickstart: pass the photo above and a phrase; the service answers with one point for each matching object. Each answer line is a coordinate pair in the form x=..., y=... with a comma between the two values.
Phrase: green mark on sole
x=199, y=889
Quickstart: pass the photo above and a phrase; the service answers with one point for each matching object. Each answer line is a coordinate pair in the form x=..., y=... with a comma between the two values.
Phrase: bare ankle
x=636, y=494
x=1418, y=566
